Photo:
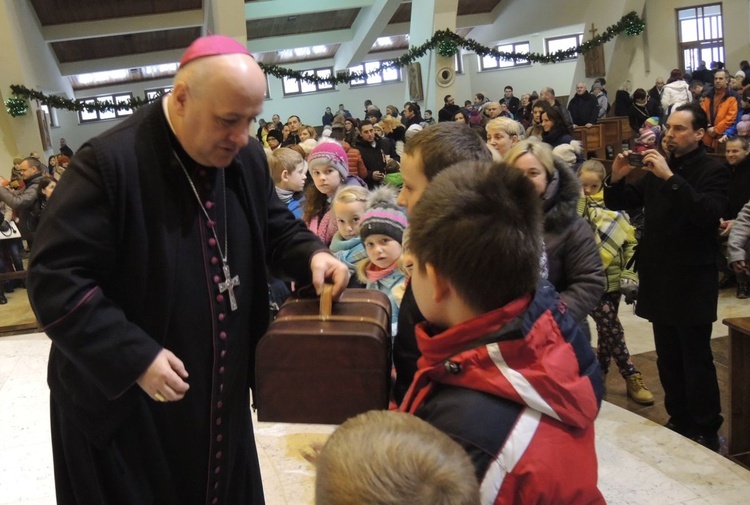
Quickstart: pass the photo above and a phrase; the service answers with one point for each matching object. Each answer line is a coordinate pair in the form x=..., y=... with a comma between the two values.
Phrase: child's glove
x=629, y=288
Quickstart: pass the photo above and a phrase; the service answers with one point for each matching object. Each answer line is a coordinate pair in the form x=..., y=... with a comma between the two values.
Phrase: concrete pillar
x=227, y=17
x=427, y=17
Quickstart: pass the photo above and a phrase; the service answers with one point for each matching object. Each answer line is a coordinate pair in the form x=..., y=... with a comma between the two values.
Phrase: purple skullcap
x=212, y=45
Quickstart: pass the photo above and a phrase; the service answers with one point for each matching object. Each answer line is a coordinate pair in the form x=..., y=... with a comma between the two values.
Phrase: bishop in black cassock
x=150, y=368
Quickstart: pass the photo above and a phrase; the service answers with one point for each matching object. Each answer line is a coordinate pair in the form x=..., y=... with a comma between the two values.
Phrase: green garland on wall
x=445, y=42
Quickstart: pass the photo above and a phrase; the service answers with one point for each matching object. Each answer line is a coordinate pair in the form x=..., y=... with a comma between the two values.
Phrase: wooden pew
x=591, y=138
x=738, y=417
x=611, y=135
x=625, y=129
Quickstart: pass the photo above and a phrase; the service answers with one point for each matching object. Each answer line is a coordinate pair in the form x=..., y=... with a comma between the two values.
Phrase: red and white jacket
x=519, y=388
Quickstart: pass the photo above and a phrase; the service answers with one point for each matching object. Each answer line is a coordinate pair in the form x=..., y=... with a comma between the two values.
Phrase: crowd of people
x=490, y=232
x=590, y=242
x=23, y=199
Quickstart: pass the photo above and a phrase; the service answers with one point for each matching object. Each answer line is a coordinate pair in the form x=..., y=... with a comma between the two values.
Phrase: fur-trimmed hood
x=560, y=201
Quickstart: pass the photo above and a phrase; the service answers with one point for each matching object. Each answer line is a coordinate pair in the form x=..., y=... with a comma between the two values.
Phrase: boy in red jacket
x=504, y=370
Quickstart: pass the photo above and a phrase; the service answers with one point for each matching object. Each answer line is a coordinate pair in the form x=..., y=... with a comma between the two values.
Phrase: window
x=155, y=93
x=489, y=62
x=554, y=44
x=86, y=117
x=380, y=73
x=701, y=35
x=298, y=86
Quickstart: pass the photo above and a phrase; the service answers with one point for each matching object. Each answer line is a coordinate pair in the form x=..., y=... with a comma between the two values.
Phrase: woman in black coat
x=555, y=130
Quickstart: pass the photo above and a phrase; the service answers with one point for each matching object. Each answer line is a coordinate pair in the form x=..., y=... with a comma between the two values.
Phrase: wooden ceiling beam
x=123, y=26
x=270, y=9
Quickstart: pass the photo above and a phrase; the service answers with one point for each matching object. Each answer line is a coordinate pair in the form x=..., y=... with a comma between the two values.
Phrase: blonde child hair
x=283, y=159
x=593, y=166
x=349, y=194
x=390, y=458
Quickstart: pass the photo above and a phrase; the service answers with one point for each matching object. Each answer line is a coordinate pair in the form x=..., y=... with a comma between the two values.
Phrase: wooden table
x=739, y=390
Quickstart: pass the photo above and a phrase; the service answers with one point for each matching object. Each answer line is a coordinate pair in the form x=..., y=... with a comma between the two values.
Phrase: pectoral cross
x=229, y=285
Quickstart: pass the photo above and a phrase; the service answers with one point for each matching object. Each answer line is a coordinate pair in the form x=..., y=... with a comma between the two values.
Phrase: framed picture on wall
x=415, y=82
x=43, y=121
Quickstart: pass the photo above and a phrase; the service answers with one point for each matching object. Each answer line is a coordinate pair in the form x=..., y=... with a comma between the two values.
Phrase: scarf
x=284, y=195
x=611, y=229
x=375, y=273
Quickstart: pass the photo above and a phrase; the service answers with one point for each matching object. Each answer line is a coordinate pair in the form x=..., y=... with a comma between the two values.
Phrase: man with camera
x=683, y=198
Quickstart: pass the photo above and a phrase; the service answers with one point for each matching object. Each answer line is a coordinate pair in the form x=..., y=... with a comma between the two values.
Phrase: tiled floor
x=639, y=461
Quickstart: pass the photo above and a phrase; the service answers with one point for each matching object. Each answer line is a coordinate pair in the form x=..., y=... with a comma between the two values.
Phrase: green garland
x=59, y=102
x=445, y=42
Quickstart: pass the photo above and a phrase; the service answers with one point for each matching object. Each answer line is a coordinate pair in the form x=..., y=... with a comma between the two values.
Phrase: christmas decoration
x=16, y=106
x=447, y=48
x=445, y=42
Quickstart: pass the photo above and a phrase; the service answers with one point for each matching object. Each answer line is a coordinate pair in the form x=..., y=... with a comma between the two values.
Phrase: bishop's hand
x=324, y=265
x=163, y=379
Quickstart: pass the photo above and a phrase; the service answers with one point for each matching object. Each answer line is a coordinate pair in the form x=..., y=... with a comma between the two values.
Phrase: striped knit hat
x=383, y=216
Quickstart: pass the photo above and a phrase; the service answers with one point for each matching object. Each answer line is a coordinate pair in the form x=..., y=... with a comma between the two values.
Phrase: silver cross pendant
x=229, y=285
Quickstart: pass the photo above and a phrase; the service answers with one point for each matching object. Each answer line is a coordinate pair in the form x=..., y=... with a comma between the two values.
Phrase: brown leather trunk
x=322, y=363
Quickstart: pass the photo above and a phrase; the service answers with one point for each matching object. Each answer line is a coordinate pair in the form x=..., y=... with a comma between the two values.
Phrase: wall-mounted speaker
x=445, y=77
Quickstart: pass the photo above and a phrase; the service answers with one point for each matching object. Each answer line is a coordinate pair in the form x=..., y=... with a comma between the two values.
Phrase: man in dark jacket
x=449, y=109
x=511, y=102
x=131, y=280
x=583, y=107
x=655, y=92
x=293, y=138
x=375, y=154
x=683, y=199
x=412, y=115
x=703, y=74
x=65, y=149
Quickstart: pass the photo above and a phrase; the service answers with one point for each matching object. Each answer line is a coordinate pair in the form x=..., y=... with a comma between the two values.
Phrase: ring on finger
x=159, y=397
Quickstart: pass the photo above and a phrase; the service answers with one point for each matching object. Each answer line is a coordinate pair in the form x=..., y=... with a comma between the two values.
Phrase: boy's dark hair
x=639, y=94
x=480, y=226
x=444, y=144
x=46, y=181
x=745, y=143
x=480, y=96
x=700, y=119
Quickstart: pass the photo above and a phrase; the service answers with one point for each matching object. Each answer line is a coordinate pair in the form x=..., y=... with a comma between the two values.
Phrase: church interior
x=61, y=47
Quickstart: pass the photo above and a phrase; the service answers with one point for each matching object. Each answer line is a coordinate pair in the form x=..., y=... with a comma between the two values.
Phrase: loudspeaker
x=445, y=77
